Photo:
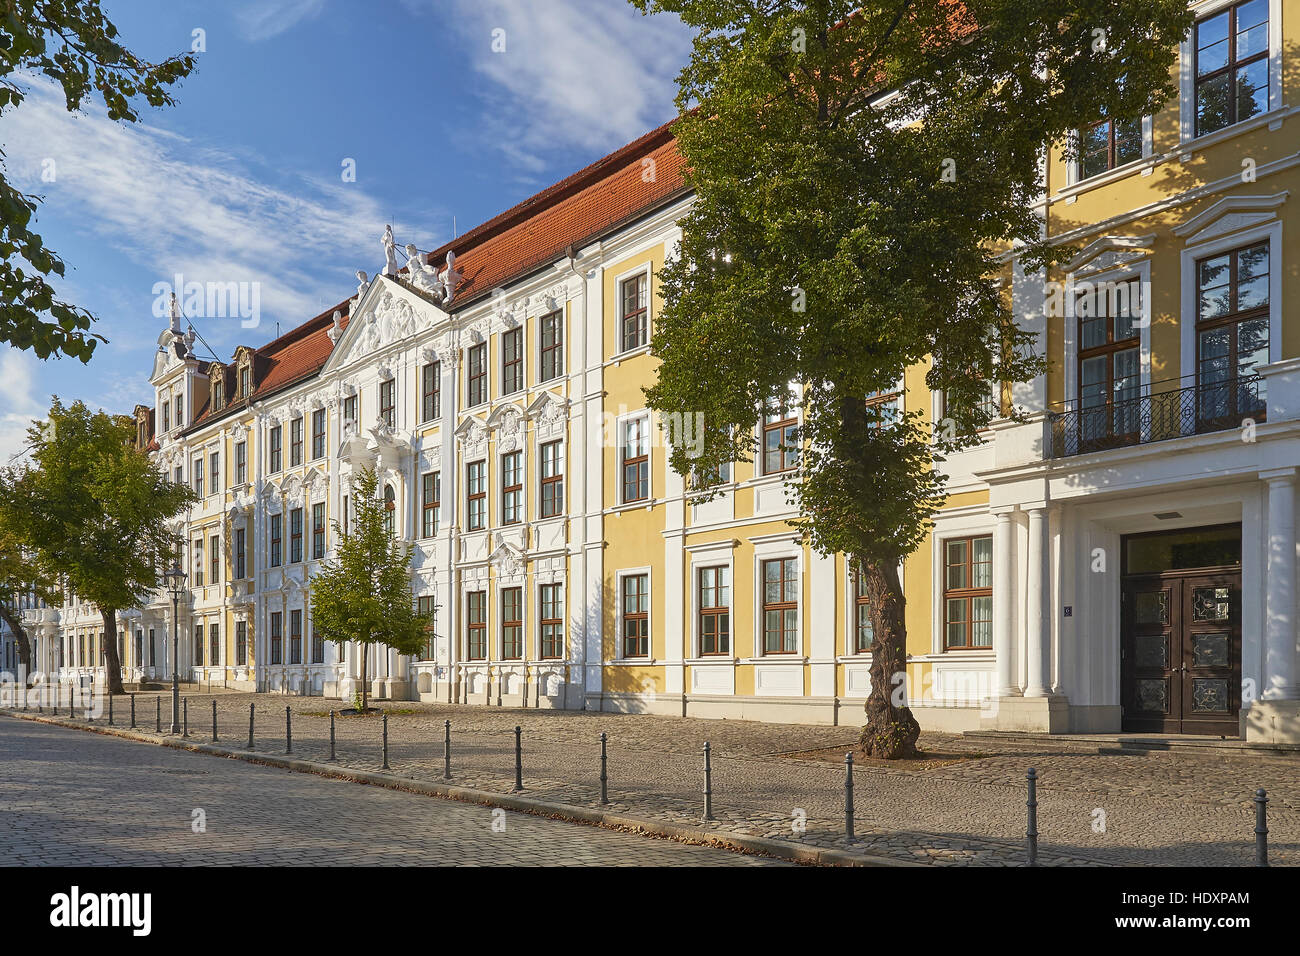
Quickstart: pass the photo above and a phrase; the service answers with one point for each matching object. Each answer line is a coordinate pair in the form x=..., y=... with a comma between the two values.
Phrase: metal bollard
x=288, y=730
x=519, y=759
x=133, y=711
x=157, y=715
x=708, y=782
x=1031, y=834
x=446, y=750
x=1261, y=827
x=848, y=796
x=386, y=767
x=250, y=726
x=214, y=720
x=185, y=717
x=604, y=760
x=331, y=735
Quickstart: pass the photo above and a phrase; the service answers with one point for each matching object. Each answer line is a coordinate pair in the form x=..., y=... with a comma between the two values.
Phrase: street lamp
x=176, y=585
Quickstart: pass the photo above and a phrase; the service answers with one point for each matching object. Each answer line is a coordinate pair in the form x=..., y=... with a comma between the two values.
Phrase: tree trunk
x=891, y=730
x=112, y=665
x=15, y=621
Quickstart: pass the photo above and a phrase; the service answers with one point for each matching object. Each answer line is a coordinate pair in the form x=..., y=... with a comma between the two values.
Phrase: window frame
x=1230, y=68
x=476, y=630
x=719, y=613
x=781, y=606
x=512, y=368
x=969, y=594
x=639, y=461
x=276, y=636
x=275, y=533
x=789, y=459
x=624, y=615
x=430, y=391
x=550, y=628
x=296, y=426
x=388, y=402
x=318, y=434
x=640, y=315
x=551, y=485
x=512, y=648
x=512, y=487
x=241, y=463
x=476, y=375
x=295, y=535
x=476, y=501
x=550, y=356
x=430, y=503
x=275, y=441
x=318, y=541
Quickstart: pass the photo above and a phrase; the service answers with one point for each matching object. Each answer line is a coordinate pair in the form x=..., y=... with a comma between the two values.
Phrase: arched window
x=390, y=508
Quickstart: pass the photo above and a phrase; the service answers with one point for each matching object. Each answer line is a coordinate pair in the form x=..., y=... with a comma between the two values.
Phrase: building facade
x=1121, y=556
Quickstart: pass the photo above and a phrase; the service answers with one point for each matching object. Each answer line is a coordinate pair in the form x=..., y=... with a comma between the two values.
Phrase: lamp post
x=176, y=584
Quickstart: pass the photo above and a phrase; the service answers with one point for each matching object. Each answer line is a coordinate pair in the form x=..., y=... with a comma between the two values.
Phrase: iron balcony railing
x=1155, y=416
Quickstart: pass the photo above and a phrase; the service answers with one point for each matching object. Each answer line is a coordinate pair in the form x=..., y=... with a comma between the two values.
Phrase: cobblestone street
x=69, y=798
x=1148, y=808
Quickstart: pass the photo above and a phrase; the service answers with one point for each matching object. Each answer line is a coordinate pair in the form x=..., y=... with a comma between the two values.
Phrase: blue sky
x=243, y=180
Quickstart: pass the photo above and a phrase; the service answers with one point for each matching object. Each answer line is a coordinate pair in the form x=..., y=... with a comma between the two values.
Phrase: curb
x=765, y=846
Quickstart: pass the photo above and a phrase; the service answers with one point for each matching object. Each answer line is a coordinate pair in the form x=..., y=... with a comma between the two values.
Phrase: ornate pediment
x=386, y=314
x=1230, y=214
x=1109, y=252
x=472, y=435
x=508, y=422
x=549, y=412
x=507, y=558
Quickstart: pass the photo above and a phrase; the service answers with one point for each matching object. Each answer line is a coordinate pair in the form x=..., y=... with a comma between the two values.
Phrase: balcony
x=1155, y=416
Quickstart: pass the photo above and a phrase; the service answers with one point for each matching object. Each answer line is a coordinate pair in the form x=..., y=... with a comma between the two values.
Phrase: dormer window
x=245, y=381
x=218, y=389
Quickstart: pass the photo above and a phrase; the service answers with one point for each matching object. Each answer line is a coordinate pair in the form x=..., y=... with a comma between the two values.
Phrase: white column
x=1280, y=582
x=1003, y=612
x=1038, y=634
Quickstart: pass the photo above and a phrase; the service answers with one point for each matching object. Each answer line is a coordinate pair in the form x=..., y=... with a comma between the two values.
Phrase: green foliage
x=23, y=570
x=826, y=245
x=74, y=44
x=364, y=593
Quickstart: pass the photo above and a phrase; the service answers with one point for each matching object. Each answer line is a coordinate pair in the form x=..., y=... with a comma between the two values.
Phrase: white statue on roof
x=390, y=252
x=363, y=286
x=418, y=271
x=337, y=329
x=450, y=277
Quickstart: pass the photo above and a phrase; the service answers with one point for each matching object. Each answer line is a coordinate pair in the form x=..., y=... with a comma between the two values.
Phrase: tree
x=22, y=571
x=364, y=594
x=73, y=43
x=860, y=171
x=94, y=509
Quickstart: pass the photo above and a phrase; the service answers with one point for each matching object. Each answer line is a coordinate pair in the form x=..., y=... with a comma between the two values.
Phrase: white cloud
x=264, y=19
x=212, y=219
x=18, y=401
x=591, y=74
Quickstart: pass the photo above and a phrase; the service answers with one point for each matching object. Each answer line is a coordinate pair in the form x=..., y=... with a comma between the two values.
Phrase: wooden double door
x=1181, y=653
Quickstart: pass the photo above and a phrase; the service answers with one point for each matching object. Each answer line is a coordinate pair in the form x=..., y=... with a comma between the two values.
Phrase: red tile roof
x=574, y=212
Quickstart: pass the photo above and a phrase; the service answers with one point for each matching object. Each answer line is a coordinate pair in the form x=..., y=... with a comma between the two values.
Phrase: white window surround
x=619, y=575
x=770, y=548
x=1187, y=66
x=1072, y=177
x=500, y=590
x=563, y=371
x=487, y=373
x=976, y=524
x=541, y=580
x=1190, y=254
x=720, y=556
x=523, y=356
x=646, y=270
x=620, y=438
x=462, y=639
x=1140, y=270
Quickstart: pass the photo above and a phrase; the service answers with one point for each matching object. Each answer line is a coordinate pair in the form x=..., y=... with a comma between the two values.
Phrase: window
x=295, y=637
x=780, y=439
x=345, y=514
x=153, y=647
x=430, y=500
x=512, y=487
x=780, y=606
x=198, y=644
x=476, y=626
x=636, y=615
x=318, y=530
x=317, y=646
x=633, y=322
x=1109, y=372
x=552, y=491
x=636, y=459
x=512, y=624
x=425, y=607
x=167, y=417
x=318, y=434
x=552, y=621
x=197, y=473
x=1232, y=332
x=240, y=555
x=295, y=441
x=276, y=438
x=244, y=379
x=476, y=496
x=863, y=635
x=1108, y=144
x=386, y=411
x=715, y=610
x=198, y=562
x=512, y=361
x=277, y=637
x=214, y=644
x=214, y=462
x=350, y=410
x=295, y=535
x=180, y=411
x=968, y=593
x=431, y=392
x=241, y=643
x=552, y=346
x=476, y=371
x=390, y=511
x=241, y=462
x=214, y=555
x=277, y=534
x=180, y=475
x=1232, y=64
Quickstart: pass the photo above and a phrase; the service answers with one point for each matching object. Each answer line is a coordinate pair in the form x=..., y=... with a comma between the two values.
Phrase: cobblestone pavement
x=1153, y=808
x=68, y=798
